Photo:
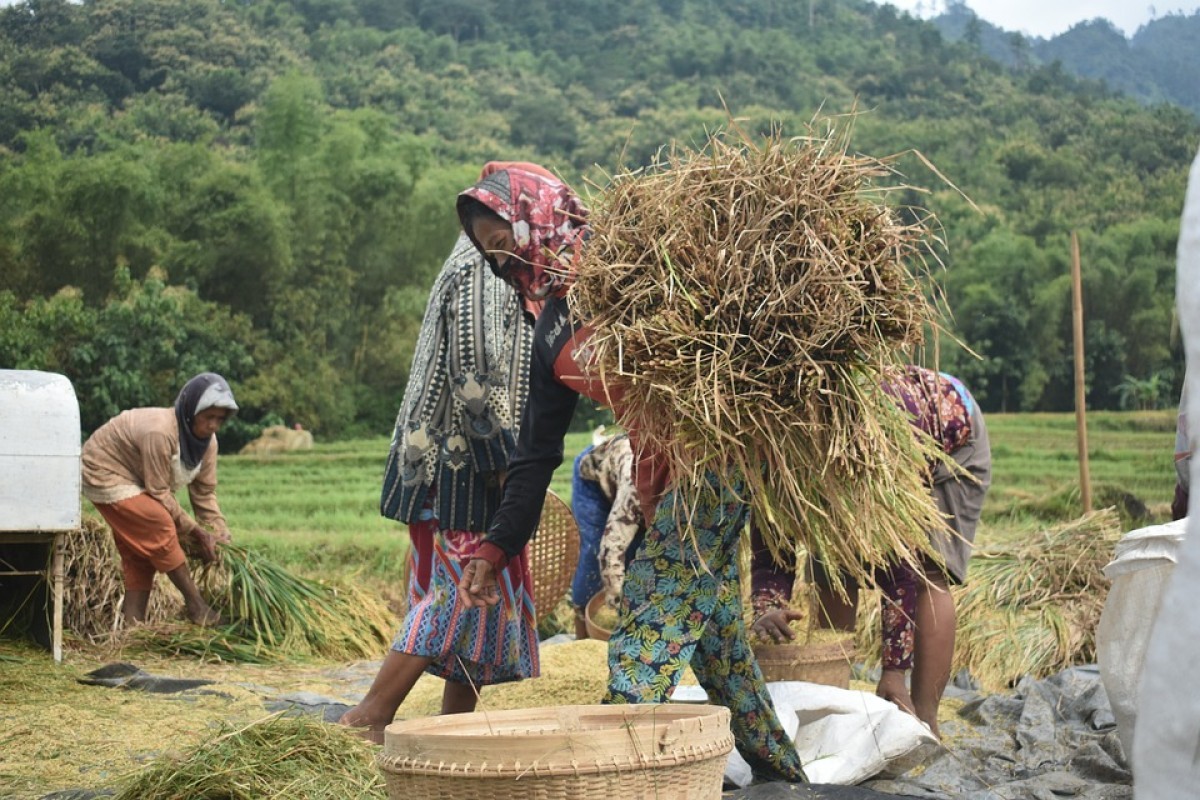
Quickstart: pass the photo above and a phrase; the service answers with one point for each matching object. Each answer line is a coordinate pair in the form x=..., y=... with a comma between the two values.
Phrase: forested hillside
x=265, y=188
x=1157, y=64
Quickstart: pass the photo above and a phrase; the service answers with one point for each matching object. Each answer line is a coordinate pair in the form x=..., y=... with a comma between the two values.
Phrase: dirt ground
x=59, y=734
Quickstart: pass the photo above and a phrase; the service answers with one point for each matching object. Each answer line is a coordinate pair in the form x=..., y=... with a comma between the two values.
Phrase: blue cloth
x=591, y=508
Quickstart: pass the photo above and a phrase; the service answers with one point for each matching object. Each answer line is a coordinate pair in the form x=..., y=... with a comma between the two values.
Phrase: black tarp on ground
x=1048, y=739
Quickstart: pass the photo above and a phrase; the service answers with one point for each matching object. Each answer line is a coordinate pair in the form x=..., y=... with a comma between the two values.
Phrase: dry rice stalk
x=748, y=299
x=1028, y=609
x=94, y=589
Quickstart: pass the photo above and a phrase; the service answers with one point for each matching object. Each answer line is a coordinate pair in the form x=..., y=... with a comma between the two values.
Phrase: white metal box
x=39, y=452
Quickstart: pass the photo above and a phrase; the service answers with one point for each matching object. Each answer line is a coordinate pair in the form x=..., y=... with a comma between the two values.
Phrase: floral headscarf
x=548, y=223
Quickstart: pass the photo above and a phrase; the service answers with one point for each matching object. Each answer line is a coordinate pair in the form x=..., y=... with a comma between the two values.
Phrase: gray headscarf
x=206, y=390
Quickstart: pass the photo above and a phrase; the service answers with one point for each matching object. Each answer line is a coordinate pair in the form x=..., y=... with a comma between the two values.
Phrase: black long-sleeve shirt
x=544, y=425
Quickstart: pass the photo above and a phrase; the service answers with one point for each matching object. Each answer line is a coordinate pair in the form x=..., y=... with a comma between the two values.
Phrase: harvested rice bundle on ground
x=1030, y=608
x=276, y=757
x=749, y=299
x=273, y=614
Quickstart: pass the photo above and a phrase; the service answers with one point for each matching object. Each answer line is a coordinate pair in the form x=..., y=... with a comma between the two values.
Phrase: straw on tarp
x=749, y=299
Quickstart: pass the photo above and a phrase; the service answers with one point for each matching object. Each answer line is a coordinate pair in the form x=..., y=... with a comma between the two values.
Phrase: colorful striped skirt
x=468, y=645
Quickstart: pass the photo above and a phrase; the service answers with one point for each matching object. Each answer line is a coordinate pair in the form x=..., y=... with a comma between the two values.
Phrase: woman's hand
x=206, y=546
x=478, y=588
x=773, y=624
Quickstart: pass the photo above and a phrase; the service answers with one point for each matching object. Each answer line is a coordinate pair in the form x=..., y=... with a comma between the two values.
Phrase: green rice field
x=318, y=510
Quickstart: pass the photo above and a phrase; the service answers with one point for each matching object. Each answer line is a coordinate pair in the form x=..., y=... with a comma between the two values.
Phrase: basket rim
x=451, y=725
x=559, y=737
x=841, y=649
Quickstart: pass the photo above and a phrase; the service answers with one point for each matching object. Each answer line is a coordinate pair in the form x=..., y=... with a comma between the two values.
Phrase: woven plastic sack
x=1142, y=564
x=842, y=736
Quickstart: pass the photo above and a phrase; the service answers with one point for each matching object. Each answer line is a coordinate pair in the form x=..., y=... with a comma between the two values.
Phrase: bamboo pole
x=1085, y=481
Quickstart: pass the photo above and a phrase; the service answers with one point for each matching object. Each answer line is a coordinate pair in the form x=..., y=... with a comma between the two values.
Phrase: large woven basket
x=553, y=553
x=824, y=662
x=620, y=752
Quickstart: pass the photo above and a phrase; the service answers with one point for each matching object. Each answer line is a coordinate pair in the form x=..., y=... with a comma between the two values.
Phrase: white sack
x=1142, y=564
x=842, y=736
x=1164, y=752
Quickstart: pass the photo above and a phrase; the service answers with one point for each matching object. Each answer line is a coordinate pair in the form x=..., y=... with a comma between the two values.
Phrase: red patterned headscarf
x=548, y=223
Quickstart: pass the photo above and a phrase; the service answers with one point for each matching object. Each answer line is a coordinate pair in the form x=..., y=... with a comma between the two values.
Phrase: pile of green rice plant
x=274, y=758
x=272, y=614
x=748, y=299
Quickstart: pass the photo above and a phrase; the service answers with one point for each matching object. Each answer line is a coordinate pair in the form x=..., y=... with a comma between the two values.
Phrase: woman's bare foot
x=892, y=687
x=203, y=616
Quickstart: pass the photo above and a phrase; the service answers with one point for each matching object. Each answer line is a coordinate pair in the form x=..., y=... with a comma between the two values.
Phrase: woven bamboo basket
x=827, y=663
x=553, y=552
x=662, y=751
x=594, y=629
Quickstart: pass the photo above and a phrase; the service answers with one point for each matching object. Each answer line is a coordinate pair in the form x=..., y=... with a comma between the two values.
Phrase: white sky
x=1048, y=18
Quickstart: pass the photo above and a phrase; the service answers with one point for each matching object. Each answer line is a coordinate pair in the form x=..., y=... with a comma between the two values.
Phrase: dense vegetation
x=264, y=187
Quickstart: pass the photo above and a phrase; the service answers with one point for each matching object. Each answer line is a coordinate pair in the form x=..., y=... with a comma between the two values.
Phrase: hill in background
x=1158, y=64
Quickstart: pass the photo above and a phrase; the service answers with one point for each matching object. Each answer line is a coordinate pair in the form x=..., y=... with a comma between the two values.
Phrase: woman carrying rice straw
x=454, y=434
x=917, y=614
x=680, y=601
x=133, y=465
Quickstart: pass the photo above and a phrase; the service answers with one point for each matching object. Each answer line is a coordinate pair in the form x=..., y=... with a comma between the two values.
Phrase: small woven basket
x=595, y=630
x=621, y=752
x=827, y=663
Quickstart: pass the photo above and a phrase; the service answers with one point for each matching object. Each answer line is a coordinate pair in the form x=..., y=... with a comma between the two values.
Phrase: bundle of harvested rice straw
x=276, y=757
x=1029, y=608
x=269, y=613
x=273, y=614
x=749, y=299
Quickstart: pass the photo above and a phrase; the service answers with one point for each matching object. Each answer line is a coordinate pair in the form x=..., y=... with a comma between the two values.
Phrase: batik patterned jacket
x=458, y=420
